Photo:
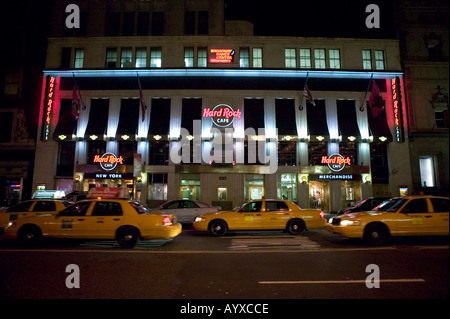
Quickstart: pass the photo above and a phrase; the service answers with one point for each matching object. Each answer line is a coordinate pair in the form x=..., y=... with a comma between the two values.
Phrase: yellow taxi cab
x=265, y=214
x=98, y=217
x=32, y=207
x=398, y=216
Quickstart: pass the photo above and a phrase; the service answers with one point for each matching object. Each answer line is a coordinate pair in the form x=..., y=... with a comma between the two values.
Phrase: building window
x=157, y=187
x=379, y=60
x=335, y=59
x=142, y=23
x=190, y=186
x=441, y=117
x=290, y=58
x=155, y=57
x=319, y=59
x=287, y=187
x=257, y=58
x=6, y=122
x=159, y=153
x=253, y=186
x=189, y=22
x=202, y=58
x=367, y=59
x=111, y=57
x=128, y=23
x=221, y=193
x=305, y=58
x=141, y=57
x=203, y=22
x=158, y=23
x=78, y=60
x=427, y=171
x=244, y=57
x=189, y=57
x=126, y=58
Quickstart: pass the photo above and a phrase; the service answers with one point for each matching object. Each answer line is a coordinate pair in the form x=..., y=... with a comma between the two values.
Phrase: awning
x=66, y=122
x=98, y=118
x=285, y=116
x=254, y=114
x=129, y=117
x=159, y=117
x=379, y=127
x=348, y=125
x=191, y=110
x=317, y=119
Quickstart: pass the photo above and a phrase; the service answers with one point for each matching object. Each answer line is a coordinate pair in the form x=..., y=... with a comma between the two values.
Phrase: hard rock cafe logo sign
x=222, y=115
x=336, y=162
x=108, y=161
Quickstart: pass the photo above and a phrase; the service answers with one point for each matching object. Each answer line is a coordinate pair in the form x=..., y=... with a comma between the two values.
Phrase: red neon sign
x=222, y=115
x=108, y=161
x=397, y=108
x=336, y=162
x=221, y=56
x=48, y=107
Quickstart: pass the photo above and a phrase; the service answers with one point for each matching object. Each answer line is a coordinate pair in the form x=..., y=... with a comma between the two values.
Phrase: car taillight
x=167, y=221
x=322, y=214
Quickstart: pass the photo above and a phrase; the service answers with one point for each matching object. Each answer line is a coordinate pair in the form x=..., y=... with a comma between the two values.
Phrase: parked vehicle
x=186, y=209
x=363, y=205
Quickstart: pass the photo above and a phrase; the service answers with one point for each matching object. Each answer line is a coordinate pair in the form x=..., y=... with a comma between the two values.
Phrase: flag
x=141, y=98
x=77, y=101
x=307, y=94
x=376, y=103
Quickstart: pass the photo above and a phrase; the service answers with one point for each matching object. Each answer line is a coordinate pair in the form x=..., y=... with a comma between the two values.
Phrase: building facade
x=176, y=102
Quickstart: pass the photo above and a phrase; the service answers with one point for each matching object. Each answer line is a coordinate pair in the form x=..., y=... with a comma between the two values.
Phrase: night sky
x=313, y=18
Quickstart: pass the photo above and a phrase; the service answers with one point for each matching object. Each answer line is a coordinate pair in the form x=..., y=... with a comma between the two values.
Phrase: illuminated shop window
x=244, y=57
x=189, y=57
x=379, y=60
x=126, y=58
x=335, y=59
x=157, y=186
x=155, y=57
x=253, y=186
x=427, y=171
x=257, y=57
x=305, y=58
x=78, y=59
x=290, y=58
x=202, y=57
x=367, y=59
x=287, y=187
x=319, y=59
x=141, y=58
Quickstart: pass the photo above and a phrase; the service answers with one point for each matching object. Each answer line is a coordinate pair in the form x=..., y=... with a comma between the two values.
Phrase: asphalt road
x=249, y=265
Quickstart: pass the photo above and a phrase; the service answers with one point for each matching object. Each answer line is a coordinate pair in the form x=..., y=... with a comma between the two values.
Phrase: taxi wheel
x=29, y=234
x=127, y=237
x=217, y=228
x=376, y=234
x=296, y=227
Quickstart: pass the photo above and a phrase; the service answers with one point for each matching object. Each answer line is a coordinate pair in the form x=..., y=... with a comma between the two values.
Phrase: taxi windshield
x=141, y=209
x=391, y=205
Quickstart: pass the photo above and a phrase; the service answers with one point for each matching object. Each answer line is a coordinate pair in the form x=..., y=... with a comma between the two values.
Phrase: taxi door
x=248, y=217
x=276, y=215
x=441, y=218
x=69, y=223
x=418, y=218
x=105, y=218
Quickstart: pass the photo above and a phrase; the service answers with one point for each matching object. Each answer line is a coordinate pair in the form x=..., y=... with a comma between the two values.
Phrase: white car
x=186, y=209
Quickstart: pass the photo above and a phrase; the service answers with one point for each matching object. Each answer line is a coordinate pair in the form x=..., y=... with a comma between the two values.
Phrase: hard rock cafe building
x=230, y=86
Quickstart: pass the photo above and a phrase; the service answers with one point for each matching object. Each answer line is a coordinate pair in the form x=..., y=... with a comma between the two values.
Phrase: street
x=242, y=265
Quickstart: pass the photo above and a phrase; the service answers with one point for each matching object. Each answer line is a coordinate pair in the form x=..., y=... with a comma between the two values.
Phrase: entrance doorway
x=318, y=195
x=256, y=192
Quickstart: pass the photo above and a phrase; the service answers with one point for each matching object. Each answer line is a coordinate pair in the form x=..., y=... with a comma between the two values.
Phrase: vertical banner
x=398, y=109
x=137, y=165
x=48, y=107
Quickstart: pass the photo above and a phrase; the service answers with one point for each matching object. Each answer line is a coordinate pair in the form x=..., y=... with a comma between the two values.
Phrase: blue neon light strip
x=223, y=73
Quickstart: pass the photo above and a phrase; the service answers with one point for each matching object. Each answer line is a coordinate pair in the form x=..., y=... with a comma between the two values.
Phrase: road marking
x=309, y=282
x=272, y=242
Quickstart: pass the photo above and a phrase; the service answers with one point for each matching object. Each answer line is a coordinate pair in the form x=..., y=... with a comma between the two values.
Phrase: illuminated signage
x=397, y=107
x=48, y=107
x=222, y=115
x=221, y=56
x=336, y=162
x=108, y=161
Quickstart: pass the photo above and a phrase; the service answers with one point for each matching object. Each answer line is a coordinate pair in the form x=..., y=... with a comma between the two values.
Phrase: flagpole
x=301, y=101
x=365, y=96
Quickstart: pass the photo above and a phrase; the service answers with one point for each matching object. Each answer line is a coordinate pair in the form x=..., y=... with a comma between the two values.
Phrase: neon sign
x=108, y=161
x=397, y=106
x=48, y=107
x=336, y=162
x=221, y=56
x=222, y=115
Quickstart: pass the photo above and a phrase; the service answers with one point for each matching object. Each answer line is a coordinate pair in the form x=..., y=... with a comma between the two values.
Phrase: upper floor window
x=78, y=59
x=141, y=58
x=257, y=57
x=126, y=58
x=305, y=58
x=335, y=58
x=189, y=57
x=155, y=57
x=290, y=58
x=319, y=59
x=158, y=23
x=244, y=57
x=379, y=60
x=202, y=57
x=367, y=59
x=111, y=58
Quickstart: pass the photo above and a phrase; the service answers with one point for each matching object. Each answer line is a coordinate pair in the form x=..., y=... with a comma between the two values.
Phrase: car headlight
x=11, y=224
x=350, y=222
x=199, y=219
